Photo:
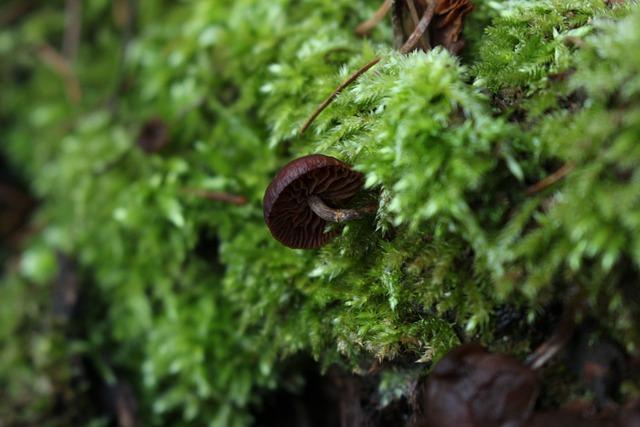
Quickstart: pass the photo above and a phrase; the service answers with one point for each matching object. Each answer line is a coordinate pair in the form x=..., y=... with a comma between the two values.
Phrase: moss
x=204, y=307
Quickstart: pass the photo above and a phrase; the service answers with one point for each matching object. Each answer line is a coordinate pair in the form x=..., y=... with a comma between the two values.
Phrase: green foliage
x=528, y=52
x=35, y=373
x=599, y=245
x=527, y=42
x=201, y=306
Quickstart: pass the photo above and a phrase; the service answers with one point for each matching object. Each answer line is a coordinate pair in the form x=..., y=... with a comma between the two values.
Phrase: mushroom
x=305, y=196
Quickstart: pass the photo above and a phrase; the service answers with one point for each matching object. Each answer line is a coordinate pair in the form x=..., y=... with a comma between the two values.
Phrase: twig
x=551, y=179
x=559, y=339
x=396, y=23
x=416, y=21
x=420, y=29
x=353, y=77
x=127, y=18
x=364, y=28
x=413, y=39
x=218, y=196
x=61, y=66
x=73, y=28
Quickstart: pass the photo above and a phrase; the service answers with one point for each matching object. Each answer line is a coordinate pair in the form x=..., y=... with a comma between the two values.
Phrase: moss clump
x=200, y=308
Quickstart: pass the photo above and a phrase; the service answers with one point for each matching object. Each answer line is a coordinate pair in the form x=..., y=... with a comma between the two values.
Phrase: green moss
x=203, y=307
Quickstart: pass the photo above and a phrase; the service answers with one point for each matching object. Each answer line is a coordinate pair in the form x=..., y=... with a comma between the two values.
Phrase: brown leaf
x=471, y=387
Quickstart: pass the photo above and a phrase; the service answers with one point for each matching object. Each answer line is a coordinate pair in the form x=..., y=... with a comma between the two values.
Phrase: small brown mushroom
x=305, y=195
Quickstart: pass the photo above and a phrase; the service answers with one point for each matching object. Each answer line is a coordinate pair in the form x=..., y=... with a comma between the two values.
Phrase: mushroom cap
x=285, y=204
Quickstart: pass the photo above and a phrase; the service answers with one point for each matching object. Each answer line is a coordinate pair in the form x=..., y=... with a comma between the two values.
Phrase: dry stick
x=368, y=25
x=219, y=196
x=397, y=24
x=416, y=22
x=558, y=340
x=414, y=13
x=551, y=179
x=128, y=32
x=408, y=46
x=61, y=66
x=421, y=28
x=353, y=77
x=73, y=28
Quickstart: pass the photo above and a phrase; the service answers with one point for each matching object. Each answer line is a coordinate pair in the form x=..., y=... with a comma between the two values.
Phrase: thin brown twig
x=364, y=28
x=551, y=179
x=414, y=13
x=61, y=67
x=73, y=27
x=411, y=42
x=218, y=196
x=416, y=21
x=573, y=307
x=126, y=16
x=420, y=29
x=396, y=24
x=353, y=77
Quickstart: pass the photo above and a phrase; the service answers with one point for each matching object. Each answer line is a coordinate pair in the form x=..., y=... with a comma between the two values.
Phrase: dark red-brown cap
x=285, y=204
x=153, y=135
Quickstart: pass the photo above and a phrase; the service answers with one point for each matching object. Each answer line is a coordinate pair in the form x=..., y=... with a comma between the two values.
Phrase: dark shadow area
x=16, y=207
x=336, y=398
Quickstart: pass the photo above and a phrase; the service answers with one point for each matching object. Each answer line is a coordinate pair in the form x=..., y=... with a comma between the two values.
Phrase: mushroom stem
x=320, y=208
